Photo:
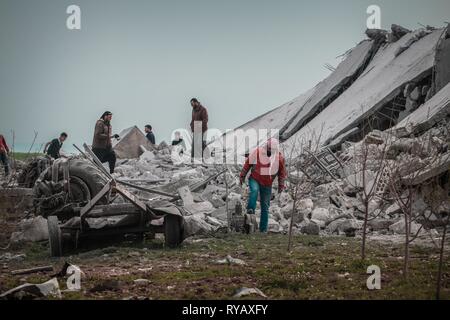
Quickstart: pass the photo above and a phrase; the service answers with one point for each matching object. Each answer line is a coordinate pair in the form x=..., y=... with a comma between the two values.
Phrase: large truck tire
x=54, y=236
x=86, y=181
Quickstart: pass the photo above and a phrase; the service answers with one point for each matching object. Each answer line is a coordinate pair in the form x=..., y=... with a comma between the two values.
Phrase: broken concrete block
x=216, y=201
x=305, y=206
x=425, y=90
x=374, y=137
x=129, y=145
x=393, y=209
x=229, y=260
x=399, y=31
x=215, y=222
x=344, y=226
x=186, y=196
x=33, y=291
x=284, y=199
x=321, y=214
x=196, y=225
x=376, y=34
x=273, y=226
x=310, y=228
x=416, y=93
x=380, y=224
x=248, y=291
x=408, y=89
x=399, y=227
x=141, y=282
x=220, y=214
x=31, y=230
x=147, y=156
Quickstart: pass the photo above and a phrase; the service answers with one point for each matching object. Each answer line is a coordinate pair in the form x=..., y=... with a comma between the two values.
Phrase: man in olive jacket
x=101, y=145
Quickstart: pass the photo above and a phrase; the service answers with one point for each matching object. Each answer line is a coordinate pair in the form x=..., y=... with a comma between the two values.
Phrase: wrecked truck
x=82, y=201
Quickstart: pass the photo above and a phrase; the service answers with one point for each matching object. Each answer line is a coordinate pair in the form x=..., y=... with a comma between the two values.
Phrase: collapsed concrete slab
x=382, y=82
x=129, y=145
x=427, y=115
x=330, y=88
x=292, y=115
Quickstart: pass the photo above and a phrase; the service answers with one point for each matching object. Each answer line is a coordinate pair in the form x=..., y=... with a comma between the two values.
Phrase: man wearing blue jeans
x=266, y=163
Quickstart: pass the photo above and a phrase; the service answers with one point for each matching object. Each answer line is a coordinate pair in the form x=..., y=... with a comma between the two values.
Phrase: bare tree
x=417, y=163
x=300, y=183
x=366, y=172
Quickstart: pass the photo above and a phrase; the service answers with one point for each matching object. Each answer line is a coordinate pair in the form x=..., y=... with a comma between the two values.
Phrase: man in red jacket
x=4, y=150
x=266, y=163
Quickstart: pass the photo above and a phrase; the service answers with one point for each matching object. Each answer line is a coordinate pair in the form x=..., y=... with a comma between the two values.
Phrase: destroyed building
x=388, y=76
x=128, y=146
x=390, y=93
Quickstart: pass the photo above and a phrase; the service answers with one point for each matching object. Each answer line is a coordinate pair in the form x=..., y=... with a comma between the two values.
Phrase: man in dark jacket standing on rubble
x=4, y=151
x=53, y=148
x=265, y=163
x=101, y=145
x=199, y=126
x=149, y=134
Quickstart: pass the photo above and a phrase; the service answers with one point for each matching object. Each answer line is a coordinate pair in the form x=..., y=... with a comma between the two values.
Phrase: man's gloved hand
x=241, y=181
x=116, y=136
x=281, y=189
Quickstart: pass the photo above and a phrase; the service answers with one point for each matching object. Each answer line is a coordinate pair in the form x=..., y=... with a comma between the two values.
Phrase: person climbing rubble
x=4, y=151
x=265, y=163
x=53, y=148
x=101, y=145
x=199, y=118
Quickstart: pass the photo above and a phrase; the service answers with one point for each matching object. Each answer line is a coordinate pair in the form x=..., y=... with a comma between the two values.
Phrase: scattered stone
x=248, y=291
x=399, y=227
x=416, y=94
x=7, y=257
x=374, y=137
x=310, y=228
x=344, y=226
x=31, y=230
x=32, y=291
x=196, y=225
x=320, y=214
x=141, y=282
x=231, y=261
x=399, y=31
x=380, y=224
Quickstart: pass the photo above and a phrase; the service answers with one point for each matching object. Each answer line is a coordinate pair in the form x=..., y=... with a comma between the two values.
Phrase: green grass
x=25, y=155
x=316, y=268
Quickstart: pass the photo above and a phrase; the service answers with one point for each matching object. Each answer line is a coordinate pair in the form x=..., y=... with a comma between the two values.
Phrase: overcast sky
x=143, y=60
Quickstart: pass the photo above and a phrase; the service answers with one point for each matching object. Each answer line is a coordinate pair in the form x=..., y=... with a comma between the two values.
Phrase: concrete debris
x=141, y=282
x=321, y=214
x=399, y=227
x=389, y=71
x=32, y=291
x=346, y=227
x=231, y=261
x=248, y=291
x=31, y=230
x=310, y=228
x=9, y=257
x=399, y=31
x=197, y=225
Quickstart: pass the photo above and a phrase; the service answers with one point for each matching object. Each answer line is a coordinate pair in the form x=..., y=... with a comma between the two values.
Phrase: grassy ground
x=317, y=268
x=24, y=155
